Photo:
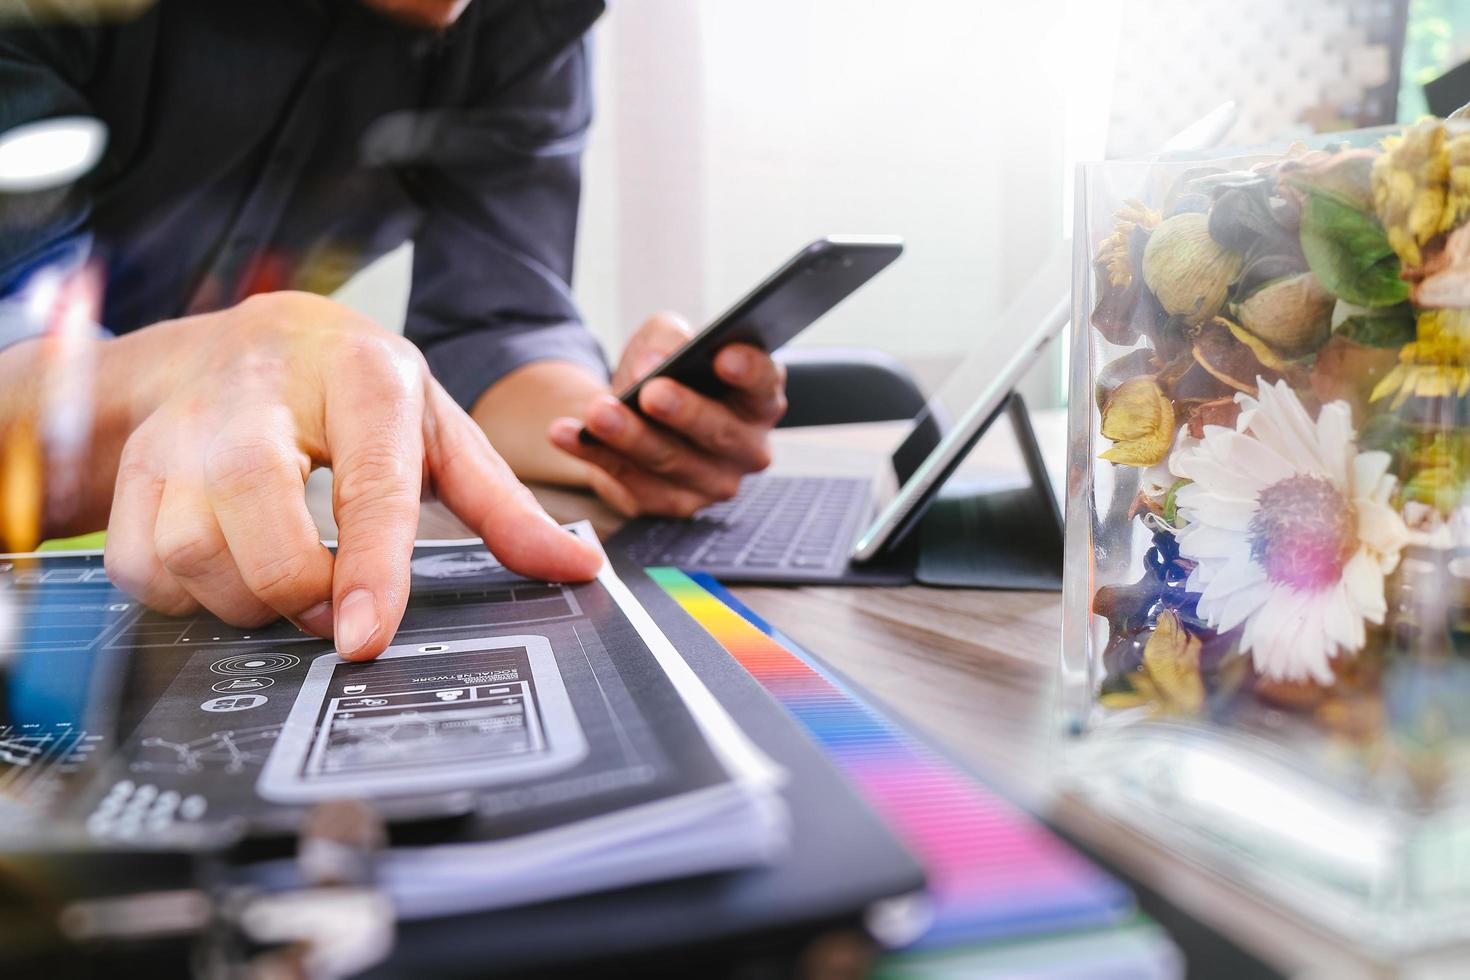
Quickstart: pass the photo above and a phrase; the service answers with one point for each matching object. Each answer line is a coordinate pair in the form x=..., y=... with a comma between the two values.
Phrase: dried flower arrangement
x=1289, y=369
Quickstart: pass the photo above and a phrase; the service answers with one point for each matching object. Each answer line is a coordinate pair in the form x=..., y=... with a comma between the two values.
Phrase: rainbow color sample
x=994, y=872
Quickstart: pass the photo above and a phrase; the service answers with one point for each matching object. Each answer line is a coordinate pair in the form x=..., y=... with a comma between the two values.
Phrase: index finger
x=374, y=430
x=476, y=484
x=757, y=380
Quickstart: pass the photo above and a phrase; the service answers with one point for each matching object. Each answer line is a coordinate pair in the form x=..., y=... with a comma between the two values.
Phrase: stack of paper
x=525, y=740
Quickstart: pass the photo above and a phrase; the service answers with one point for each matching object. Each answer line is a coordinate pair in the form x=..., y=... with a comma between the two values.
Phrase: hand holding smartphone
x=791, y=299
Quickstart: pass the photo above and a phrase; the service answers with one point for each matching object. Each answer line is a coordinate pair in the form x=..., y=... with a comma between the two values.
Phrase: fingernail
x=662, y=399
x=737, y=364
x=357, y=621
x=317, y=619
x=609, y=417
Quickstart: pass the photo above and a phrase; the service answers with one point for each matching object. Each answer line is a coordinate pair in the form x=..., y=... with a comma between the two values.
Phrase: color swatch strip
x=994, y=871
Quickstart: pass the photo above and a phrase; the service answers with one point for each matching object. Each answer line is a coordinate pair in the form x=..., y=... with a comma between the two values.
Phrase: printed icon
x=369, y=703
x=243, y=702
x=354, y=689
x=454, y=695
x=240, y=685
x=251, y=666
x=455, y=564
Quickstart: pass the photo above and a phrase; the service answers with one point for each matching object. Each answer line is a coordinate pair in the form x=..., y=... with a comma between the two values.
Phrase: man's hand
x=696, y=448
x=209, y=507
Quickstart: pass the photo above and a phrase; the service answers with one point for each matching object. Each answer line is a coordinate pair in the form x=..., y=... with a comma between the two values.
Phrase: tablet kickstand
x=1001, y=539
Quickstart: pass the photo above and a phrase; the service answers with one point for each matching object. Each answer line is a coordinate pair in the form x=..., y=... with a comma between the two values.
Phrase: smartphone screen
x=420, y=719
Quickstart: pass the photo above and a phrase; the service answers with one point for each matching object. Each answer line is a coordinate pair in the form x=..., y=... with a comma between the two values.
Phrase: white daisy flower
x=1291, y=531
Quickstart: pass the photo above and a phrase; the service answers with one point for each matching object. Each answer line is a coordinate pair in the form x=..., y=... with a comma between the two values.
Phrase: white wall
x=738, y=131
x=730, y=132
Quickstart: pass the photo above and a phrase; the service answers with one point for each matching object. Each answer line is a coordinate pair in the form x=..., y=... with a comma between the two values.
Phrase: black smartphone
x=791, y=299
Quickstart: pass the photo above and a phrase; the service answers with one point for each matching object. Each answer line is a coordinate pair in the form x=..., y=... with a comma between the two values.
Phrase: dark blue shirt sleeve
x=493, y=255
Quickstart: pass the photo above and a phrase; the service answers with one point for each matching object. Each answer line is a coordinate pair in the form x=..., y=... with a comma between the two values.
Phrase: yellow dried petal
x=1171, y=658
x=1139, y=418
x=1112, y=252
x=1134, y=454
x=1421, y=187
x=1258, y=347
x=1436, y=364
x=1112, y=255
x=1133, y=410
x=1119, y=700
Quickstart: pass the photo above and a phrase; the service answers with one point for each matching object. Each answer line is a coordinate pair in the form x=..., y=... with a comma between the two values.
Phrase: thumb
x=477, y=485
x=661, y=335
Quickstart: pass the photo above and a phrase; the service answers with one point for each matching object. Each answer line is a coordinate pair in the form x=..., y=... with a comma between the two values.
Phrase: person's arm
x=516, y=411
x=498, y=180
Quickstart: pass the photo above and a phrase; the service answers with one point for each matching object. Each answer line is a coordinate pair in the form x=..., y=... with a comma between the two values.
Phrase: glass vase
x=1266, y=655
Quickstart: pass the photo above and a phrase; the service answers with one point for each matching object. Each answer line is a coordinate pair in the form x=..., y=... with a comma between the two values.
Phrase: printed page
x=517, y=706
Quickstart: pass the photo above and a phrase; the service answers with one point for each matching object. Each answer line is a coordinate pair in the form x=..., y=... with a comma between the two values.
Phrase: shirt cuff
x=469, y=364
x=20, y=319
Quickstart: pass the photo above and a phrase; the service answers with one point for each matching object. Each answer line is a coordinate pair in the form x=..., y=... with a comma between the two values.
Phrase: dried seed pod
x=1293, y=314
x=1187, y=270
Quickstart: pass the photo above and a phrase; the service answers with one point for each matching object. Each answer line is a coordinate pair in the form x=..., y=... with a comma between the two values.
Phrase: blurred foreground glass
x=1266, y=656
x=49, y=153
x=43, y=460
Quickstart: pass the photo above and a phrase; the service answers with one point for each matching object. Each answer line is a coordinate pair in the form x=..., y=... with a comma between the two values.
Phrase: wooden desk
x=975, y=671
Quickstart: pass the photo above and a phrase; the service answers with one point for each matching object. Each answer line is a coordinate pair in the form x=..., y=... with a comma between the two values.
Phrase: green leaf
x=1391, y=328
x=1349, y=253
x=1171, y=503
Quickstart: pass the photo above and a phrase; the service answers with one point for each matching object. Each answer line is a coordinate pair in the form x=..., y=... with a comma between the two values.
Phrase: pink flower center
x=1303, y=533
